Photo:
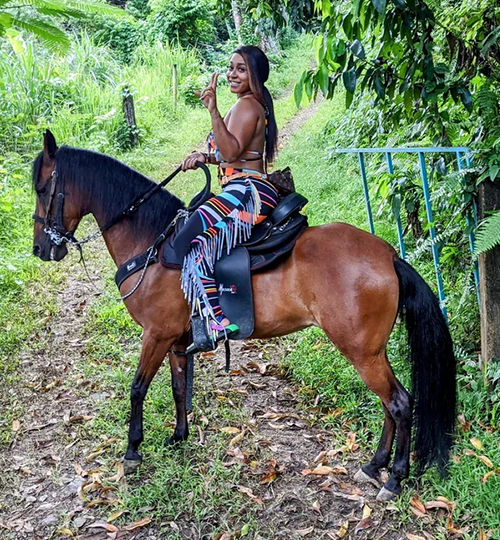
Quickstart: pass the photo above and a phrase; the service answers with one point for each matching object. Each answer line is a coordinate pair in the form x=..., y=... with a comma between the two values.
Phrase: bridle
x=53, y=227
x=57, y=233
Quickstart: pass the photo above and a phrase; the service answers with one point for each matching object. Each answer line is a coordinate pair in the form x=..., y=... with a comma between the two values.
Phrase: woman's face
x=238, y=76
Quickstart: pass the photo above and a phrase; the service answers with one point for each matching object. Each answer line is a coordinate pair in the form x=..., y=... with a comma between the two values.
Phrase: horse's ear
x=49, y=147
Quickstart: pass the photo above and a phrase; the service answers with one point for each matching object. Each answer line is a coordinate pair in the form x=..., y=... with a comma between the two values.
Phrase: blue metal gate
x=463, y=155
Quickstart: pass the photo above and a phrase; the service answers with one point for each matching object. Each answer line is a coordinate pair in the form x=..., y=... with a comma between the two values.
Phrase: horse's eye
x=41, y=191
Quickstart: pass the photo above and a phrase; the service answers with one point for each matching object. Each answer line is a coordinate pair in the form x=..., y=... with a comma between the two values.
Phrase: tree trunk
x=489, y=278
x=237, y=20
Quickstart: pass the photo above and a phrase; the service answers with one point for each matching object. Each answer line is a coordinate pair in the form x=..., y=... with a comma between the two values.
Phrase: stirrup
x=208, y=343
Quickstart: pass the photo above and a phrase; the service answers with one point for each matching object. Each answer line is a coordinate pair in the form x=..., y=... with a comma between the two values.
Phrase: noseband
x=53, y=226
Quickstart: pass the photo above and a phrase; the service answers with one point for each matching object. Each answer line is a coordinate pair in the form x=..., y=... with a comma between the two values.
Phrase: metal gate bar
x=461, y=152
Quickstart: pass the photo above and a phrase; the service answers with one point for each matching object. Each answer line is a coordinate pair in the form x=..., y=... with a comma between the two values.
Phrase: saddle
x=271, y=241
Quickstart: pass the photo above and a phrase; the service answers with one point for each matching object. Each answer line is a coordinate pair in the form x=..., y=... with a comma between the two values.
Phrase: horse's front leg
x=179, y=369
x=154, y=350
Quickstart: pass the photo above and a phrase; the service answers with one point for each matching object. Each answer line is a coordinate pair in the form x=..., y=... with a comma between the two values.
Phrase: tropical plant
x=37, y=16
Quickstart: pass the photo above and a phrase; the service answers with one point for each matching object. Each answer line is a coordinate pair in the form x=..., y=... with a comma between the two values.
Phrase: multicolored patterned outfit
x=217, y=226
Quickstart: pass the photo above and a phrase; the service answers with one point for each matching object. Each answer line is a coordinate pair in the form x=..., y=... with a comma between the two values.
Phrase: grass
x=333, y=187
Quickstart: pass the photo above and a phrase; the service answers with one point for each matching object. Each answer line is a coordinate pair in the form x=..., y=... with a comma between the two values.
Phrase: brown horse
x=339, y=278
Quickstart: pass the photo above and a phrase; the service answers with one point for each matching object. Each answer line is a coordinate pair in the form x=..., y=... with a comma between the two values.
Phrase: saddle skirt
x=271, y=241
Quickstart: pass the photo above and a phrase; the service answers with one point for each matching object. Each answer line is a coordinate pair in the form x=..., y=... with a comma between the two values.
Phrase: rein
x=58, y=234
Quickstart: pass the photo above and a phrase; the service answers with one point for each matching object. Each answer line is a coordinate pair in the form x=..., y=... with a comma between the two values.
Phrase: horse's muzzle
x=50, y=252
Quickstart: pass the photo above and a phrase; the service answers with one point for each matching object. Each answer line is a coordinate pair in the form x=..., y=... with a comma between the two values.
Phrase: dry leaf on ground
x=418, y=504
x=305, y=532
x=16, y=425
x=487, y=461
x=103, y=525
x=414, y=537
x=476, y=443
x=230, y=429
x=324, y=470
x=343, y=529
x=365, y=523
x=137, y=524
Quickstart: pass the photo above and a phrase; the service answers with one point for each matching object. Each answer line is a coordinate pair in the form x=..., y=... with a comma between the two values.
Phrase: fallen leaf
x=248, y=492
x=487, y=461
x=137, y=524
x=92, y=456
x=351, y=442
x=463, y=422
x=324, y=469
x=320, y=457
x=65, y=532
x=16, y=425
x=437, y=504
x=343, y=529
x=468, y=452
x=230, y=429
x=476, y=443
x=414, y=537
x=236, y=440
x=97, y=502
x=316, y=506
x=208, y=354
x=257, y=386
x=418, y=513
x=365, y=523
x=223, y=536
x=269, y=477
x=115, y=515
x=305, y=532
x=486, y=477
x=103, y=525
x=417, y=503
x=367, y=511
x=120, y=473
x=483, y=535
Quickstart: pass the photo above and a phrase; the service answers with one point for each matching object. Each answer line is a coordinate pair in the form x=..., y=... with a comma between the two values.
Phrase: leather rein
x=58, y=234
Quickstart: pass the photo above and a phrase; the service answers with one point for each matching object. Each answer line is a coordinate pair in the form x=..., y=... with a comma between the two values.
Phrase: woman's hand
x=190, y=161
x=209, y=95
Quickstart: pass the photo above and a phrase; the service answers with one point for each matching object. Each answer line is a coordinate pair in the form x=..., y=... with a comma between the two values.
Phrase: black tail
x=433, y=368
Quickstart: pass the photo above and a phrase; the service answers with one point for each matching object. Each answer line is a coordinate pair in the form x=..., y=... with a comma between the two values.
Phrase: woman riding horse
x=241, y=144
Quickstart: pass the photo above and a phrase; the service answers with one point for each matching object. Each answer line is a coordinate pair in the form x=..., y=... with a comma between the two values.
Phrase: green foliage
x=488, y=234
x=122, y=36
x=189, y=21
x=34, y=16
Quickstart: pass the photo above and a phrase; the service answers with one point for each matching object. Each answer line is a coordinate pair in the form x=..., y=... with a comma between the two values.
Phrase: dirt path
x=43, y=468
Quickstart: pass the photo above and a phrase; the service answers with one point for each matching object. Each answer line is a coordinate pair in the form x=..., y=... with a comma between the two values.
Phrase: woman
x=241, y=144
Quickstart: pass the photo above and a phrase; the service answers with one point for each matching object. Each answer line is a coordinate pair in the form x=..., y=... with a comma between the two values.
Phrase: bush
x=189, y=21
x=122, y=36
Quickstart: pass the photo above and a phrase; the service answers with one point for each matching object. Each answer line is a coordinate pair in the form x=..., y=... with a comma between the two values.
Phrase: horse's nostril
x=36, y=250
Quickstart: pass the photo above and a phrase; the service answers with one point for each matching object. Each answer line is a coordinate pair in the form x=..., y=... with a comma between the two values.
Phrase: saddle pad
x=234, y=284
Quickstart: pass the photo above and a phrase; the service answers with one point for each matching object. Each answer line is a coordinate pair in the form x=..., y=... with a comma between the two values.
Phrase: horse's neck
x=123, y=244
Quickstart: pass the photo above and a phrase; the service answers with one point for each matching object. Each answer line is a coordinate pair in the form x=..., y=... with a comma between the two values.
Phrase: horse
x=348, y=282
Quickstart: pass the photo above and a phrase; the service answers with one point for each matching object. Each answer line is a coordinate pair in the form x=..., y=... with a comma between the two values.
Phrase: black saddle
x=271, y=241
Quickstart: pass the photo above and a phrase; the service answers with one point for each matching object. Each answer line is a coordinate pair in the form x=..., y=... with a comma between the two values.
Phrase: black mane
x=112, y=186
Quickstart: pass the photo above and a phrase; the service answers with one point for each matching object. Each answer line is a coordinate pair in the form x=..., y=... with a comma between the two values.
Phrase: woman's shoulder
x=249, y=103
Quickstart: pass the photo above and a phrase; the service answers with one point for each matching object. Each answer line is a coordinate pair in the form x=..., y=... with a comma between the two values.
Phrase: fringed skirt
x=214, y=228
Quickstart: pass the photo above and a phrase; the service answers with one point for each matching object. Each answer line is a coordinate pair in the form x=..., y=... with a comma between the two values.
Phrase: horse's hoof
x=172, y=441
x=364, y=478
x=131, y=465
x=385, y=495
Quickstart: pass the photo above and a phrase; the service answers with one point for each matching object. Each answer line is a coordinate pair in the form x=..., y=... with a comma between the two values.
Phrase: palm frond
x=488, y=234
x=52, y=37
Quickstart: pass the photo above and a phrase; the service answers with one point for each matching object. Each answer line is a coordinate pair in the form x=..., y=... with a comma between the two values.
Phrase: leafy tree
x=37, y=17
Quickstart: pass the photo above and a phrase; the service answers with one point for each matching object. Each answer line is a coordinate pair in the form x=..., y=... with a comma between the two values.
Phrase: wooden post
x=489, y=278
x=129, y=111
x=174, y=84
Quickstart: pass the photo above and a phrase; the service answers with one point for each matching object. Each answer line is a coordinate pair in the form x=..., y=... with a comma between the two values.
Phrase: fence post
x=430, y=219
x=174, y=84
x=129, y=112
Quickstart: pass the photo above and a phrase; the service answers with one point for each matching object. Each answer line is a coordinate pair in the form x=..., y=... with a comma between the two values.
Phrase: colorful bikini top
x=213, y=151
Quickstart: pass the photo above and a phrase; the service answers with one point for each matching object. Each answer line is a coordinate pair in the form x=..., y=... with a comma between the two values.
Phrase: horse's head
x=56, y=214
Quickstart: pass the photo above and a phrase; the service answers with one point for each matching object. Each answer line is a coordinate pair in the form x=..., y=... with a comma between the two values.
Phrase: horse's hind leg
x=379, y=377
x=153, y=353
x=371, y=471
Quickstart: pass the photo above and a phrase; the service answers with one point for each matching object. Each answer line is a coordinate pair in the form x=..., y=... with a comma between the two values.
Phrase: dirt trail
x=39, y=483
